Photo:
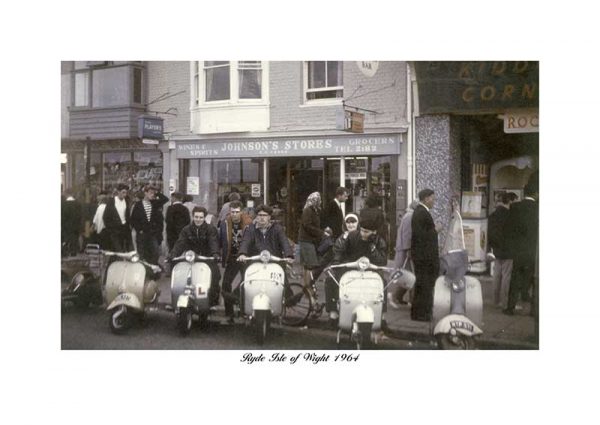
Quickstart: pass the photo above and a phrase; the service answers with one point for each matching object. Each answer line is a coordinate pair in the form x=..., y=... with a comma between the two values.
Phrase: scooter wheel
x=262, y=321
x=119, y=320
x=363, y=339
x=455, y=342
x=184, y=321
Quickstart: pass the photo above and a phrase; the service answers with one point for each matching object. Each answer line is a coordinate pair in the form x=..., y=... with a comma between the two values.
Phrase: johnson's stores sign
x=282, y=147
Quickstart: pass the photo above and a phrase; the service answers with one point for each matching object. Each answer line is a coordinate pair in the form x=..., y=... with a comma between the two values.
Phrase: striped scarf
x=148, y=209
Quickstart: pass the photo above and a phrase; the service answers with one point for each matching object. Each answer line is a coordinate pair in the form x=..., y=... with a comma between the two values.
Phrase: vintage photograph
x=299, y=205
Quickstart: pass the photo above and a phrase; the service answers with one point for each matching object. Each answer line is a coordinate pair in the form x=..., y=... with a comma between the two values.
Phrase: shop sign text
x=363, y=145
x=521, y=122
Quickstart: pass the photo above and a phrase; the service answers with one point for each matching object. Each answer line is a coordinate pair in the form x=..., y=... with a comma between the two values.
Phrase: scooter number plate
x=123, y=297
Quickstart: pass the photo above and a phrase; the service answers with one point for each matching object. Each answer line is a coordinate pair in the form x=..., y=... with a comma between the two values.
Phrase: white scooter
x=361, y=300
x=263, y=292
x=130, y=287
x=457, y=300
x=190, y=283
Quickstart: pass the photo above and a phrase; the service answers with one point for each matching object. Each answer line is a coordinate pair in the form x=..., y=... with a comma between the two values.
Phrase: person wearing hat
x=177, y=218
x=263, y=234
x=147, y=220
x=356, y=244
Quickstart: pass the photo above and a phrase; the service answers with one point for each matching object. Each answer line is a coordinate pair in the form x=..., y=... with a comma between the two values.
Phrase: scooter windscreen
x=455, y=259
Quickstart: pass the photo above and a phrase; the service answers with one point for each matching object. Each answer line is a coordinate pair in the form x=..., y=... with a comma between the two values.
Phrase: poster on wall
x=193, y=186
x=471, y=206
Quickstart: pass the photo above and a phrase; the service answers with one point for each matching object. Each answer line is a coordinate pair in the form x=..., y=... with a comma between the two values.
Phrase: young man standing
x=116, y=220
x=230, y=235
x=498, y=240
x=147, y=220
x=333, y=216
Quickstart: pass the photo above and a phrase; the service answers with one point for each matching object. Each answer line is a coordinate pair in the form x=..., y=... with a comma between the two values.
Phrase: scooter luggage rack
x=95, y=258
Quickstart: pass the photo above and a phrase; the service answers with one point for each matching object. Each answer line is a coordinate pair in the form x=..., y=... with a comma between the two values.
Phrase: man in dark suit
x=425, y=255
x=177, y=218
x=522, y=226
x=333, y=216
x=147, y=220
x=500, y=245
x=116, y=220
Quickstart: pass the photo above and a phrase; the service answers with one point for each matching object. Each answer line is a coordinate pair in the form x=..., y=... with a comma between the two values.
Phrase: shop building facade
x=277, y=131
x=101, y=105
x=476, y=131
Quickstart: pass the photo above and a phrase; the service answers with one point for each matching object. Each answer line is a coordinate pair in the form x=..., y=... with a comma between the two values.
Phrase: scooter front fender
x=261, y=302
x=458, y=323
x=127, y=299
x=364, y=314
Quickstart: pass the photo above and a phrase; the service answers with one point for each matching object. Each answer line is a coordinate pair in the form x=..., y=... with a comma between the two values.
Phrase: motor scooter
x=82, y=277
x=262, y=290
x=361, y=297
x=190, y=283
x=130, y=287
x=457, y=300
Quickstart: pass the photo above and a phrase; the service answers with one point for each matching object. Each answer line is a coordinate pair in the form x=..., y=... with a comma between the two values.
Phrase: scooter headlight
x=363, y=263
x=458, y=286
x=265, y=256
x=190, y=256
x=135, y=258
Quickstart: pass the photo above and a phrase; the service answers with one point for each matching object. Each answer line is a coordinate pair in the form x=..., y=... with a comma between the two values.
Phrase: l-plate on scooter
x=130, y=287
x=190, y=285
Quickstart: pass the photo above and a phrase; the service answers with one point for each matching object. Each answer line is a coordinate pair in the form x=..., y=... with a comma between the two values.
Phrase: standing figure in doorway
x=425, y=254
x=147, y=220
x=116, y=220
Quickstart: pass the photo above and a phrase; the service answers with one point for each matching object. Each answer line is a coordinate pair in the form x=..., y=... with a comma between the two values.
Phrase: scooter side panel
x=179, y=276
x=474, y=300
x=124, y=276
x=357, y=287
x=441, y=300
x=267, y=278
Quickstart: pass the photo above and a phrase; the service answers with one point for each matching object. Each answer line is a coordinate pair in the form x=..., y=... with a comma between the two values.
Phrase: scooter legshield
x=127, y=299
x=125, y=276
x=266, y=279
x=356, y=288
x=474, y=300
x=201, y=278
x=364, y=314
x=459, y=323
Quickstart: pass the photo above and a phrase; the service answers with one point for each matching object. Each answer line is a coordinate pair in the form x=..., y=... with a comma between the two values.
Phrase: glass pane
x=110, y=87
x=148, y=168
x=217, y=84
x=250, y=84
x=81, y=89
x=334, y=74
x=316, y=75
x=117, y=169
x=79, y=175
x=249, y=64
x=137, y=85
x=327, y=94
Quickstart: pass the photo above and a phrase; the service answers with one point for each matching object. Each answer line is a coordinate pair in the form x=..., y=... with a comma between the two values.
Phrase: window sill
x=322, y=102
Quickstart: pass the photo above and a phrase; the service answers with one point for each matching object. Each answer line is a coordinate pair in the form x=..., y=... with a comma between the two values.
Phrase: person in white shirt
x=116, y=220
x=98, y=221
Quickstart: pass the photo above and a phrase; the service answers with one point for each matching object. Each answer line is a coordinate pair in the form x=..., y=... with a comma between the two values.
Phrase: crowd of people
x=326, y=236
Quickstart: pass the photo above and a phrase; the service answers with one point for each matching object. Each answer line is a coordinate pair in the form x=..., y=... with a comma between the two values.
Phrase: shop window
x=323, y=80
x=148, y=169
x=117, y=168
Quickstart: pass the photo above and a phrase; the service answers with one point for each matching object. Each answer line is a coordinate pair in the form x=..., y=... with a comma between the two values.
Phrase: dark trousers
x=120, y=238
x=231, y=271
x=521, y=279
x=71, y=240
x=426, y=273
x=148, y=247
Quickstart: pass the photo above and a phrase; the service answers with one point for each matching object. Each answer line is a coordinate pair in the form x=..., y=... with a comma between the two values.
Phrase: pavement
x=517, y=332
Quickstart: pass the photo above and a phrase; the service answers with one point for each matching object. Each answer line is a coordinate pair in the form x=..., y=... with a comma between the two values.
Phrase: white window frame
x=199, y=87
x=320, y=102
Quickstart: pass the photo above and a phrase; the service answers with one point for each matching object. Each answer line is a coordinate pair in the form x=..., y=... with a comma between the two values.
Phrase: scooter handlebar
x=198, y=257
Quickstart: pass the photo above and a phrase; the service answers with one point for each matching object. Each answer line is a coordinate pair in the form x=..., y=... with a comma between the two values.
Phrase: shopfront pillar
x=438, y=164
